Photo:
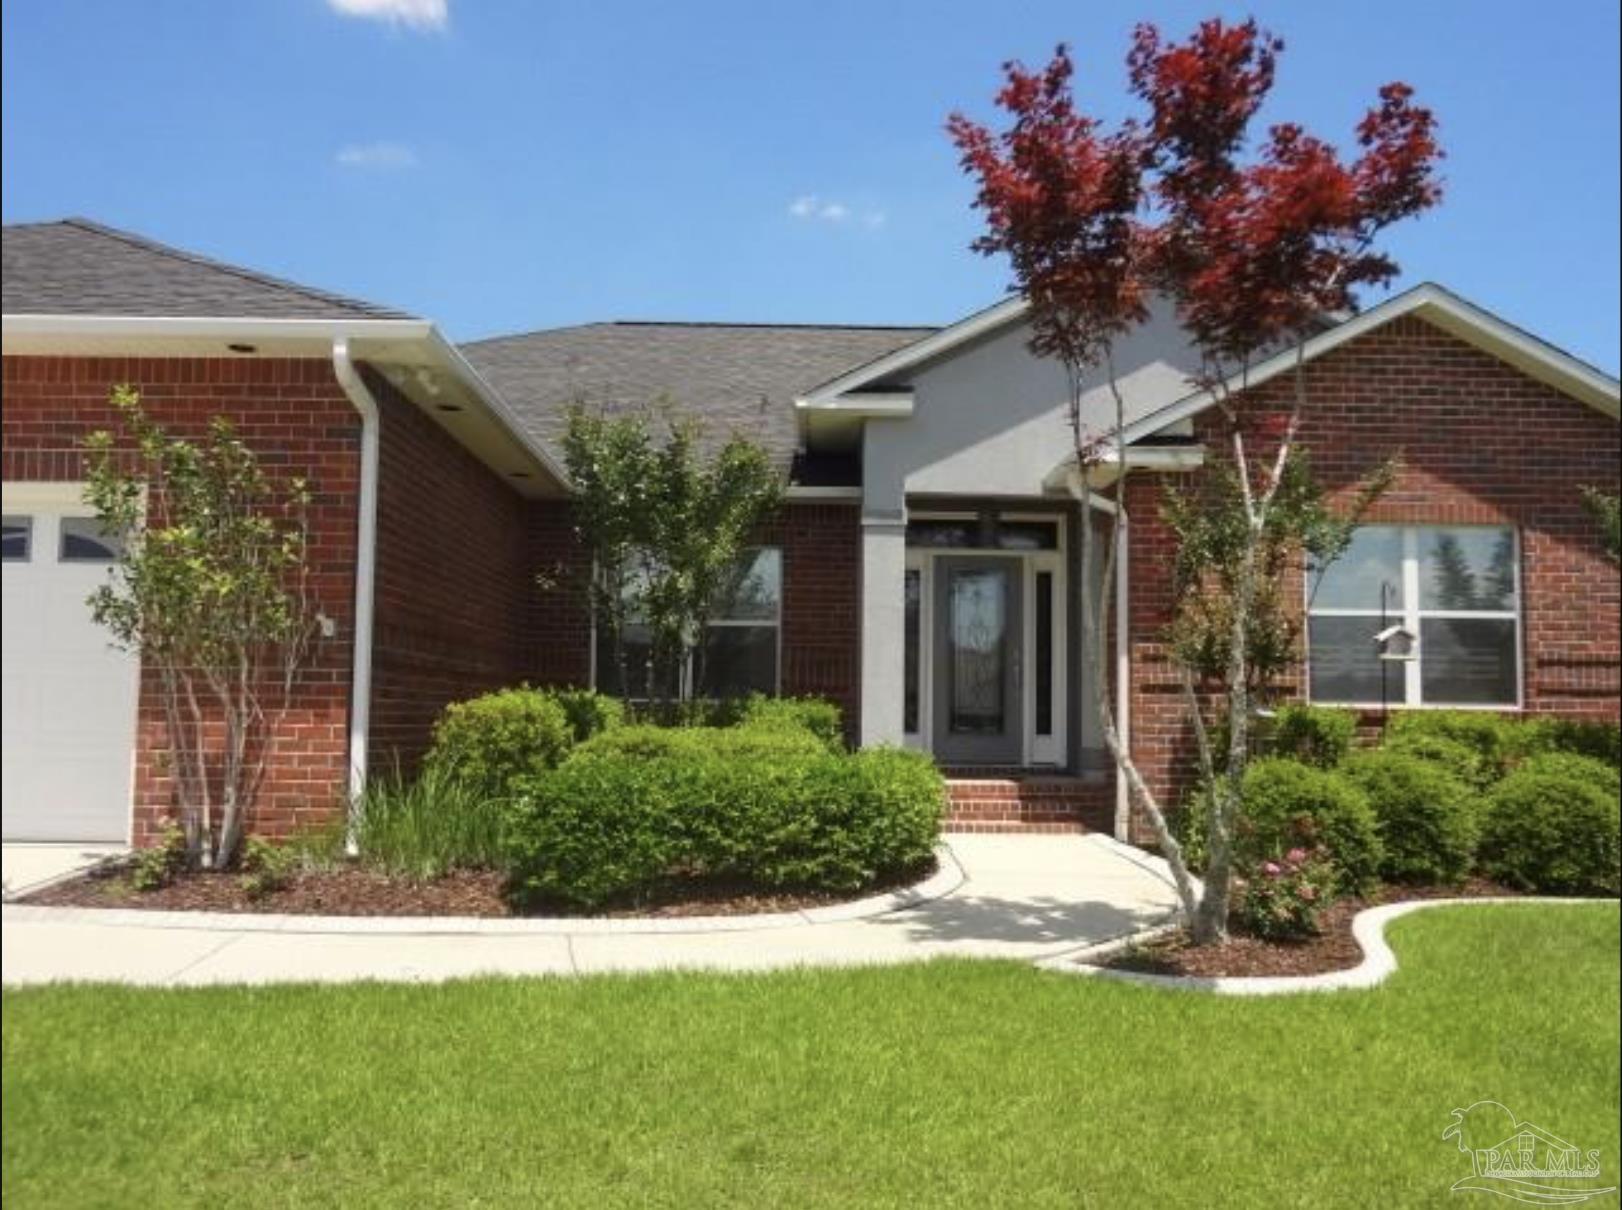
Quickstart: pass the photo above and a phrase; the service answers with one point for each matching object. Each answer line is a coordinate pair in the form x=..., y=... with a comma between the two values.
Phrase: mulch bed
x=353, y=891
x=1333, y=949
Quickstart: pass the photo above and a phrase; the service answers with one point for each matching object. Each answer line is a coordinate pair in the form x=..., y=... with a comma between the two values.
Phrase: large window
x=739, y=654
x=1455, y=587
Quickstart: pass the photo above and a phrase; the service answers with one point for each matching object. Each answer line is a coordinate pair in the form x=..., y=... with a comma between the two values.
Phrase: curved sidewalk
x=1021, y=897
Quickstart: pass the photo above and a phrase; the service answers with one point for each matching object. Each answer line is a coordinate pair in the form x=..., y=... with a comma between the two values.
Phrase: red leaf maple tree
x=1254, y=240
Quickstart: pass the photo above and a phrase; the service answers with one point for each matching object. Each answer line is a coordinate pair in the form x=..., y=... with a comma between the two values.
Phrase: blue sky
x=501, y=165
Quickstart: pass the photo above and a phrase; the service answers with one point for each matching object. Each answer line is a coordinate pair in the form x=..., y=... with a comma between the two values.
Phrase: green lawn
x=972, y=1084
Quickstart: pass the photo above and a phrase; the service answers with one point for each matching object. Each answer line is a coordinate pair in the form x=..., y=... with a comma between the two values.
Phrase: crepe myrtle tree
x=211, y=588
x=665, y=519
x=1254, y=239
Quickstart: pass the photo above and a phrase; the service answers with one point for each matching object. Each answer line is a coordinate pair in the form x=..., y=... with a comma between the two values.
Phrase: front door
x=977, y=648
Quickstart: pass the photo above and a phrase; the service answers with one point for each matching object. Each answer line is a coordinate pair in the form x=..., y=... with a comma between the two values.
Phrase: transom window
x=1455, y=587
x=987, y=531
x=739, y=654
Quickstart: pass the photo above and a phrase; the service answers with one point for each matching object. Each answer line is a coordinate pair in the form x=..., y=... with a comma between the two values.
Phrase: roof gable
x=77, y=267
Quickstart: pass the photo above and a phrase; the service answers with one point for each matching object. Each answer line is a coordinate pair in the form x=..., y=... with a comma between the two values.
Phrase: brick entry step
x=1006, y=800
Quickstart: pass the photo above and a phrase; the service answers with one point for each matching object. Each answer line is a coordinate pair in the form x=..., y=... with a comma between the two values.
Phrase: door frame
x=1036, y=750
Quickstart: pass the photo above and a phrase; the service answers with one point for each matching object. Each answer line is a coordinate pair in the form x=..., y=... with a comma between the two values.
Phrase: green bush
x=1552, y=826
x=489, y=741
x=152, y=869
x=1318, y=735
x=1599, y=740
x=816, y=715
x=1461, y=760
x=644, y=742
x=1188, y=825
x=1427, y=820
x=1493, y=737
x=424, y=827
x=616, y=824
x=589, y=712
x=1288, y=805
x=1283, y=899
x=266, y=867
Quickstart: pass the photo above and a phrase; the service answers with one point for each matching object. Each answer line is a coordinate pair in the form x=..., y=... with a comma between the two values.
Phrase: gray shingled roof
x=735, y=377
x=76, y=267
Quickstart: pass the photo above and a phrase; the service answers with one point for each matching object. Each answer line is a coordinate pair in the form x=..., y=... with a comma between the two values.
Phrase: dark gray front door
x=977, y=648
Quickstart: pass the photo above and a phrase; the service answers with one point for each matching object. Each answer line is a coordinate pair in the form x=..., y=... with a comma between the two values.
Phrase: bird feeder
x=1397, y=643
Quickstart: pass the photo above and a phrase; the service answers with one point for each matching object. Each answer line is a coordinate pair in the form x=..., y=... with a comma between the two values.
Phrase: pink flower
x=1296, y=856
x=1309, y=892
x=1272, y=869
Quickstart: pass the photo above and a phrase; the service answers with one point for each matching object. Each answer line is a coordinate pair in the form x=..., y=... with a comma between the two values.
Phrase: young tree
x=665, y=524
x=211, y=589
x=1606, y=509
x=1253, y=249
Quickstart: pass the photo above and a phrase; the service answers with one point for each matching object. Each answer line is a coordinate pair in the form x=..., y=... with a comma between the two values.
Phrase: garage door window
x=85, y=541
x=19, y=534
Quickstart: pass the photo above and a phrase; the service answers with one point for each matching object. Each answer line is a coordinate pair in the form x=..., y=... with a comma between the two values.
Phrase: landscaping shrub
x=1461, y=760
x=1188, y=825
x=589, y=712
x=644, y=742
x=1427, y=820
x=1318, y=735
x=615, y=823
x=424, y=827
x=1493, y=737
x=1283, y=899
x=152, y=869
x=1291, y=806
x=1552, y=826
x=266, y=867
x=489, y=741
x=816, y=715
x=1581, y=737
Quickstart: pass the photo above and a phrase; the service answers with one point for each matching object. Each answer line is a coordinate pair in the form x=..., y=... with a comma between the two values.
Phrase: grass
x=967, y=1084
x=427, y=825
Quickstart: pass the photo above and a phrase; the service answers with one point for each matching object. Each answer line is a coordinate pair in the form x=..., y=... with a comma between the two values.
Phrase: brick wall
x=822, y=605
x=1481, y=443
x=821, y=633
x=454, y=580
x=293, y=413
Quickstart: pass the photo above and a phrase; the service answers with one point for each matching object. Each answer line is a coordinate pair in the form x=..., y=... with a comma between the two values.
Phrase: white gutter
x=360, y=676
x=1123, y=648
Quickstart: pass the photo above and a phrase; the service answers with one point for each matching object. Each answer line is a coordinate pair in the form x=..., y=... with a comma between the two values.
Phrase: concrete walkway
x=1024, y=897
x=26, y=866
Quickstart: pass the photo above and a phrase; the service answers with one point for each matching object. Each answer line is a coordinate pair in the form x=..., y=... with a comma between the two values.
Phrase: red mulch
x=353, y=891
x=1332, y=950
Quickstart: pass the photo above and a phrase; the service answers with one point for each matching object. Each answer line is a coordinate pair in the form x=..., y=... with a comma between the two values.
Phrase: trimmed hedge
x=589, y=712
x=1599, y=740
x=1459, y=760
x=1553, y=826
x=814, y=714
x=489, y=742
x=1289, y=805
x=1317, y=735
x=646, y=742
x=1427, y=819
x=613, y=825
x=1493, y=738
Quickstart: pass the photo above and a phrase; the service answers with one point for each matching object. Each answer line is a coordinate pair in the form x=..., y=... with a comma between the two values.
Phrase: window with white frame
x=1455, y=587
x=740, y=651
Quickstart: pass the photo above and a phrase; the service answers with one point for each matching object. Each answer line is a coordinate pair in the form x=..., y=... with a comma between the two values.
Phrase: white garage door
x=69, y=699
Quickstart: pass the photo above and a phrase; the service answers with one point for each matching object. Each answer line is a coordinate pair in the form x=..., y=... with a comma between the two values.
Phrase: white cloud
x=376, y=155
x=809, y=207
x=413, y=14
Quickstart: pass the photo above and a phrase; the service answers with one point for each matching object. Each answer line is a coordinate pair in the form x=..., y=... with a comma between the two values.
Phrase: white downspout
x=360, y=676
x=1123, y=647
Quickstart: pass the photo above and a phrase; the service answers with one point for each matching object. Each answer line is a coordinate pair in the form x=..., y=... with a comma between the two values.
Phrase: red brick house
x=922, y=572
